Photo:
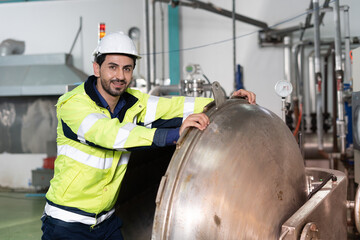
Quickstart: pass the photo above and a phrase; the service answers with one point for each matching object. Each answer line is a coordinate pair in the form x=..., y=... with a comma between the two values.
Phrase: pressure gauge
x=283, y=88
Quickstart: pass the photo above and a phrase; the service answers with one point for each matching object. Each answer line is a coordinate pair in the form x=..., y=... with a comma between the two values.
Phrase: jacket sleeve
x=162, y=112
x=81, y=120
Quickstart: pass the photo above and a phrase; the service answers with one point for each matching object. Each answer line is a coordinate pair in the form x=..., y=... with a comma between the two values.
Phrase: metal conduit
x=147, y=39
x=339, y=78
x=153, y=42
x=318, y=77
x=287, y=61
x=348, y=68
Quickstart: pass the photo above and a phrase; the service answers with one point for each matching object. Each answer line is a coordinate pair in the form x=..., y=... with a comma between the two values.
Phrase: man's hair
x=101, y=58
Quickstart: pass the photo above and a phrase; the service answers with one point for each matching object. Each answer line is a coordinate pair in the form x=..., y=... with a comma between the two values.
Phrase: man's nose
x=120, y=74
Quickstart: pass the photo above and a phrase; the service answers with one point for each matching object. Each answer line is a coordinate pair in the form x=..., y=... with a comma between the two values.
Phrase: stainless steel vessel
x=241, y=178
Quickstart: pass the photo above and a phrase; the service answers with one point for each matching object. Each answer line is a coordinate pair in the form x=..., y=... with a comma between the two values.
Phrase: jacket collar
x=90, y=91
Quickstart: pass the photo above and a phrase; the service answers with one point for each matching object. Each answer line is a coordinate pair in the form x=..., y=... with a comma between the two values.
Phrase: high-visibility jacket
x=93, y=148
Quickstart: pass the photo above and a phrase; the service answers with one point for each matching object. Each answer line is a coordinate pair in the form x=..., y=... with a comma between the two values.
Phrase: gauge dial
x=283, y=88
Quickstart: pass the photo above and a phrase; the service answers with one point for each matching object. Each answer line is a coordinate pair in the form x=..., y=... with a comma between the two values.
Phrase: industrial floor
x=20, y=215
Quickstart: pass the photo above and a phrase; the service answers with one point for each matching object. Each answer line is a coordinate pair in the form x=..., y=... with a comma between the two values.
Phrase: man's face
x=114, y=75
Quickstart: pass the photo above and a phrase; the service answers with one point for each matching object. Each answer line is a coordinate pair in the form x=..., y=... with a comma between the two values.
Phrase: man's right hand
x=198, y=120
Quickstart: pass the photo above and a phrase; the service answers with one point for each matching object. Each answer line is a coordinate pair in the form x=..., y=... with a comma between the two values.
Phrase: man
x=99, y=123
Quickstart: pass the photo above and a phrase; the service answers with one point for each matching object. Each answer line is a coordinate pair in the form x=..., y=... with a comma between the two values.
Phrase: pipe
x=215, y=9
x=334, y=104
x=308, y=17
x=310, y=107
x=154, y=42
x=218, y=10
x=147, y=39
x=10, y=46
x=311, y=150
x=164, y=89
x=287, y=62
x=339, y=79
x=307, y=21
x=318, y=77
x=162, y=43
x=301, y=94
x=348, y=69
x=297, y=99
x=75, y=40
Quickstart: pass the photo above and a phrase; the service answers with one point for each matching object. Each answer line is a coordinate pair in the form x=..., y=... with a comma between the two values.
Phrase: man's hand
x=198, y=120
x=250, y=96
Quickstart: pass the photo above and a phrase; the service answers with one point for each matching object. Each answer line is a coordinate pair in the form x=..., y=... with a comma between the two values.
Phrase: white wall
x=15, y=169
x=51, y=26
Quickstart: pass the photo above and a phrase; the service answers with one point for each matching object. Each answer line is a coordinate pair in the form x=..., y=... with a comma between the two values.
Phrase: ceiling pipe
x=218, y=10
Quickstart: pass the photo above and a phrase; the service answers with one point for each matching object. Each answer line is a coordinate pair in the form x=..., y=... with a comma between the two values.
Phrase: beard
x=115, y=91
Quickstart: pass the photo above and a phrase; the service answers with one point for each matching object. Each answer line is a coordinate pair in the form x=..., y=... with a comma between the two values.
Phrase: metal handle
x=219, y=94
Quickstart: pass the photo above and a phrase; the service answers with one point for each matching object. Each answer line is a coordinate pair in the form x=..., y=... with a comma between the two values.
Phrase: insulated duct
x=10, y=47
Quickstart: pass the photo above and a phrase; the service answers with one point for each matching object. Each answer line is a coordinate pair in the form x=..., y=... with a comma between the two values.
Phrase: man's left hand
x=250, y=96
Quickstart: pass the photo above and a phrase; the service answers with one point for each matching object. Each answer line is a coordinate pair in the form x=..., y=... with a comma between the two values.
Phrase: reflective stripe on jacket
x=93, y=148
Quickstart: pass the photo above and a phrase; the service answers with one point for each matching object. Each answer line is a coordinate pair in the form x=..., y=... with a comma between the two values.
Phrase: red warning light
x=101, y=30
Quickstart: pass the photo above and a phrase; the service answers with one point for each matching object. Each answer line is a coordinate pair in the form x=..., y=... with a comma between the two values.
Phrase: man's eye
x=112, y=67
x=127, y=69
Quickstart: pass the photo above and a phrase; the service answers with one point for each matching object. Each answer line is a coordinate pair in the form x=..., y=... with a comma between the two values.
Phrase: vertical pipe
x=339, y=78
x=162, y=43
x=287, y=62
x=311, y=85
x=287, y=53
x=301, y=92
x=348, y=70
x=234, y=41
x=337, y=36
x=154, y=42
x=147, y=39
x=295, y=81
x=334, y=104
x=319, y=117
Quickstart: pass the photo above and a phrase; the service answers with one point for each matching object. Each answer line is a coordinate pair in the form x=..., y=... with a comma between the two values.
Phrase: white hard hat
x=117, y=42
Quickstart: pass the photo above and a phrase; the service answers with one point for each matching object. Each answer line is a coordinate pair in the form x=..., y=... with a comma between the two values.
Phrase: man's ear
x=96, y=69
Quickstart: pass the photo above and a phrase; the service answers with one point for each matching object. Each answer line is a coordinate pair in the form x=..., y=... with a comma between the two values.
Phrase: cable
x=315, y=190
x=208, y=83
